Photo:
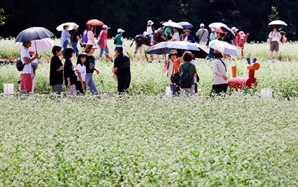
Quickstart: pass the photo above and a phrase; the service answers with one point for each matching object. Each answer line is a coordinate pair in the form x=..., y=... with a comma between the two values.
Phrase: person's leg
x=65, y=44
x=57, y=88
x=224, y=88
x=121, y=84
x=75, y=48
x=101, y=52
x=33, y=84
x=79, y=88
x=90, y=83
x=72, y=90
x=128, y=83
x=271, y=50
x=22, y=84
x=108, y=57
x=173, y=89
x=28, y=82
x=215, y=90
x=276, y=49
x=192, y=90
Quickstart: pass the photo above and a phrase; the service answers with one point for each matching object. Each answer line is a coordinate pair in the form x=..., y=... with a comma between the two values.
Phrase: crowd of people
x=180, y=66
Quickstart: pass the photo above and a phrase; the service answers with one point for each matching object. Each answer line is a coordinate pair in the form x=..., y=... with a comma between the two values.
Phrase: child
x=69, y=71
x=56, y=70
x=240, y=40
x=81, y=74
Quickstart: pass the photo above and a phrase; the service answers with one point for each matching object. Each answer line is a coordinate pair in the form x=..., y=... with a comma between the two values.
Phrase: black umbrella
x=33, y=33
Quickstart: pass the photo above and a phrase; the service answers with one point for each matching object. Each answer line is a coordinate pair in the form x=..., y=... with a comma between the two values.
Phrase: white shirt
x=220, y=68
x=186, y=38
x=82, y=70
x=27, y=68
x=203, y=34
x=176, y=37
x=275, y=36
x=149, y=30
x=169, y=68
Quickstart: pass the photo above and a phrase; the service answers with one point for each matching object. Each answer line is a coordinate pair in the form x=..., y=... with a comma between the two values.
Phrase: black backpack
x=185, y=81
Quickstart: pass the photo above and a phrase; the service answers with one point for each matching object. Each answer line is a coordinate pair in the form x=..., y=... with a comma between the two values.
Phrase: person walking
x=56, y=70
x=90, y=35
x=69, y=71
x=202, y=34
x=75, y=38
x=219, y=69
x=90, y=68
x=169, y=68
x=150, y=31
x=274, y=38
x=103, y=43
x=122, y=70
x=65, y=37
x=119, y=40
x=26, y=74
x=81, y=74
x=175, y=36
x=211, y=37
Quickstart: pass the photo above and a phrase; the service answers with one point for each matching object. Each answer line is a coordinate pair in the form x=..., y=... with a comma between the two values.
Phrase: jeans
x=64, y=46
x=173, y=89
x=90, y=83
x=75, y=48
x=105, y=49
x=123, y=83
x=210, y=55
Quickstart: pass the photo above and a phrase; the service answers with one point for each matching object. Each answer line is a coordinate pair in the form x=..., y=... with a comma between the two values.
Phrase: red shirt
x=103, y=35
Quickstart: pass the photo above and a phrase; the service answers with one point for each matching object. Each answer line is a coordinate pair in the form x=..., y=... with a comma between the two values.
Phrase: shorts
x=274, y=46
x=26, y=82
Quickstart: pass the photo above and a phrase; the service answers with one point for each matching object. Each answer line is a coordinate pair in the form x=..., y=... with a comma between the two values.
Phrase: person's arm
x=28, y=60
x=198, y=33
x=216, y=72
x=79, y=39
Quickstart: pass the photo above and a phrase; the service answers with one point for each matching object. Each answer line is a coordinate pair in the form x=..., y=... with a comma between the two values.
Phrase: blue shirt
x=64, y=36
x=212, y=36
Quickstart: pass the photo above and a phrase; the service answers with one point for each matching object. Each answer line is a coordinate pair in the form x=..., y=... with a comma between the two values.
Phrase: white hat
x=105, y=27
x=120, y=30
x=234, y=29
x=202, y=25
x=75, y=26
x=150, y=21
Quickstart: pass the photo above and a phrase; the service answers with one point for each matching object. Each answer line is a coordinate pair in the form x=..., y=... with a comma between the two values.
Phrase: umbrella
x=219, y=31
x=183, y=45
x=158, y=49
x=277, y=23
x=70, y=24
x=224, y=47
x=217, y=25
x=200, y=54
x=95, y=22
x=172, y=24
x=185, y=25
x=228, y=29
x=33, y=33
x=40, y=45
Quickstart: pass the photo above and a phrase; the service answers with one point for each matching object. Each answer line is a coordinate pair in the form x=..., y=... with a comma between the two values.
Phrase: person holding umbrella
x=64, y=37
x=27, y=72
x=274, y=38
x=169, y=68
x=90, y=36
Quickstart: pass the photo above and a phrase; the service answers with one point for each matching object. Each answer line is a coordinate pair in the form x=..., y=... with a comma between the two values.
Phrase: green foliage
x=274, y=14
x=2, y=17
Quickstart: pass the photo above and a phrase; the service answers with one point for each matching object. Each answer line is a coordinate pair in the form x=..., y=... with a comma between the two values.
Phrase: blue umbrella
x=33, y=33
x=185, y=25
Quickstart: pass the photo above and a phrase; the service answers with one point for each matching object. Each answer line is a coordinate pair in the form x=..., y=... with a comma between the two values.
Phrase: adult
x=219, y=69
x=122, y=70
x=150, y=30
x=169, y=68
x=81, y=74
x=175, y=36
x=65, y=37
x=168, y=32
x=119, y=40
x=75, y=38
x=69, y=71
x=56, y=70
x=186, y=66
x=202, y=34
x=90, y=68
x=228, y=37
x=90, y=35
x=187, y=36
x=85, y=37
x=159, y=35
x=236, y=33
x=103, y=43
x=26, y=74
x=283, y=39
x=34, y=65
x=211, y=37
x=274, y=38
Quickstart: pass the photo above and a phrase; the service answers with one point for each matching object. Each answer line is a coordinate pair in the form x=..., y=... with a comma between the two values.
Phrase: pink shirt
x=103, y=35
x=90, y=36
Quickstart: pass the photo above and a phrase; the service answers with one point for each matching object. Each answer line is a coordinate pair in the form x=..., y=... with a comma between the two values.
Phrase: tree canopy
x=251, y=16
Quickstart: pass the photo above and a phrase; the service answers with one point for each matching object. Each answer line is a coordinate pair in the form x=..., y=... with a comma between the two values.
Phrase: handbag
x=175, y=78
x=19, y=64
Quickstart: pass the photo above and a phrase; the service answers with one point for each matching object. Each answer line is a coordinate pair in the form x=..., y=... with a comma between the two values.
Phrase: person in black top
x=90, y=68
x=56, y=70
x=74, y=38
x=122, y=70
x=69, y=71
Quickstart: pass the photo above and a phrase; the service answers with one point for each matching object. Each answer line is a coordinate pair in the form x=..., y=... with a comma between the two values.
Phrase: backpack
x=19, y=64
x=185, y=81
x=157, y=35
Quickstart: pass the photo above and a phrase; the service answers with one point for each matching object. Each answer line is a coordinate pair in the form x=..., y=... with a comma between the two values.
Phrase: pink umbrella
x=38, y=45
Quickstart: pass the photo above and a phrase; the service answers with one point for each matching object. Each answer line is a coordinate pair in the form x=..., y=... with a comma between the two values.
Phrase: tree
x=2, y=17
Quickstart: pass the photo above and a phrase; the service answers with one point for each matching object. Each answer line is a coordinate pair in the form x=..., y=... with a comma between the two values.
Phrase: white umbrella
x=278, y=23
x=172, y=24
x=39, y=45
x=217, y=25
x=183, y=45
x=224, y=47
x=70, y=24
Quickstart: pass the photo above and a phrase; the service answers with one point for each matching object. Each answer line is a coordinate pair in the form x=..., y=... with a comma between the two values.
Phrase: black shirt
x=69, y=72
x=228, y=38
x=74, y=35
x=90, y=64
x=122, y=63
x=56, y=77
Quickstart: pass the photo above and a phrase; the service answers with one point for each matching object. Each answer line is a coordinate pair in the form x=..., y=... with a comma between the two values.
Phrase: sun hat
x=234, y=29
x=120, y=30
x=105, y=27
x=173, y=52
x=213, y=28
x=202, y=25
x=150, y=21
x=186, y=30
x=241, y=33
x=75, y=26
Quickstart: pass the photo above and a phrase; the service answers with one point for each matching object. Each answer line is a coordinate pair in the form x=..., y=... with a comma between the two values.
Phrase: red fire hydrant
x=244, y=82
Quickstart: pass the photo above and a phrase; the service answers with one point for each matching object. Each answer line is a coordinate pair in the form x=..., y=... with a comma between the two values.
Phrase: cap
x=119, y=49
x=105, y=27
x=75, y=26
x=120, y=30
x=202, y=25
